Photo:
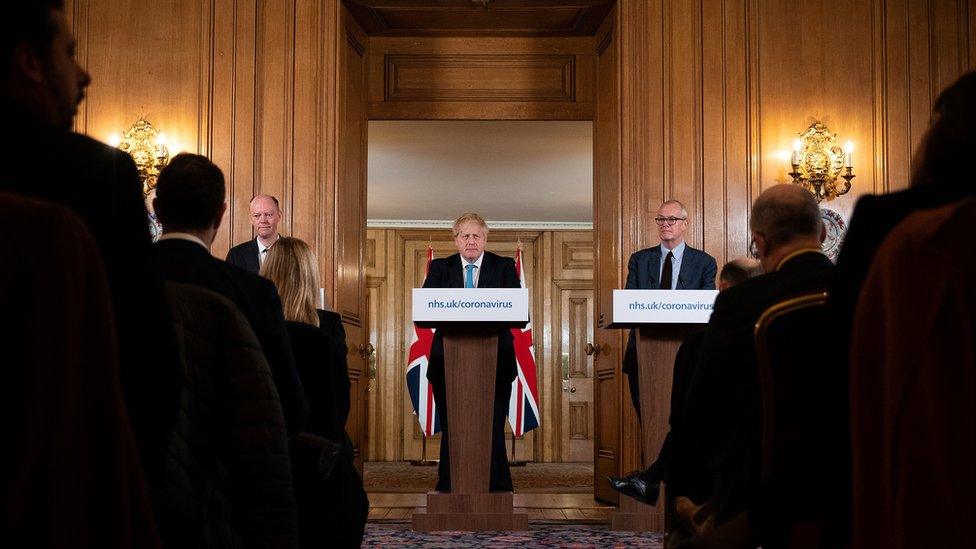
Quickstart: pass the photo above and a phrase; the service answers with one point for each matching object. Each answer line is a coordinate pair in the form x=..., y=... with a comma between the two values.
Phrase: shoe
x=632, y=485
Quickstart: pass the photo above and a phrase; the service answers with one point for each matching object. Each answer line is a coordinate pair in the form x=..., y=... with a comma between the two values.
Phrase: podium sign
x=470, y=305
x=662, y=306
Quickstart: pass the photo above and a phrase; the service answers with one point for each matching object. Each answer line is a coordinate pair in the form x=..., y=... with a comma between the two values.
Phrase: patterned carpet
x=578, y=537
x=534, y=478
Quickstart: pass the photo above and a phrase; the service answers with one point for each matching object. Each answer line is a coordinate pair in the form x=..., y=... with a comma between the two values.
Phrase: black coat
x=229, y=478
x=496, y=272
x=245, y=256
x=256, y=297
x=332, y=509
x=722, y=406
x=101, y=185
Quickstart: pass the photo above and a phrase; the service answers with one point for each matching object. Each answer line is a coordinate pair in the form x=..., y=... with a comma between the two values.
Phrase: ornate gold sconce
x=148, y=148
x=818, y=161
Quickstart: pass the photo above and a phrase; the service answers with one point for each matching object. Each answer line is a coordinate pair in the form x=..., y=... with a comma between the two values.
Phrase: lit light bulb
x=114, y=140
x=161, y=139
x=795, y=157
x=849, y=154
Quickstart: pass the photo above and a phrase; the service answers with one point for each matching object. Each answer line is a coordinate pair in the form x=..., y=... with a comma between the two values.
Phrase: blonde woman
x=332, y=507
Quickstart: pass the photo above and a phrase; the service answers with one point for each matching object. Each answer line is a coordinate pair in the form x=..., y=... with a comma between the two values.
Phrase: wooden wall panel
x=159, y=71
x=481, y=78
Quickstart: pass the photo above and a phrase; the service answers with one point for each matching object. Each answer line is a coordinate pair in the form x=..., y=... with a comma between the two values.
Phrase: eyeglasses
x=668, y=221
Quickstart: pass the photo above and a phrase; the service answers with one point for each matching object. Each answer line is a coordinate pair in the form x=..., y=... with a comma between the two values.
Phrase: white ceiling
x=517, y=171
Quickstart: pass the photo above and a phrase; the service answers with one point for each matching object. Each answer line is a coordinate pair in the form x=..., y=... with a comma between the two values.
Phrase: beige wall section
x=556, y=262
x=250, y=84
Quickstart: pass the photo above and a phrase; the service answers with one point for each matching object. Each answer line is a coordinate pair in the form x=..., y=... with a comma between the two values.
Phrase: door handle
x=591, y=349
x=366, y=350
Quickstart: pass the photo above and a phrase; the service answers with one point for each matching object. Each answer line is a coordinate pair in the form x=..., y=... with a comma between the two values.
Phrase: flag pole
x=512, y=462
x=423, y=461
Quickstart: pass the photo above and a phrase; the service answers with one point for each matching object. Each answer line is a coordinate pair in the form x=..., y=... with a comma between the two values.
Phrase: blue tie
x=469, y=276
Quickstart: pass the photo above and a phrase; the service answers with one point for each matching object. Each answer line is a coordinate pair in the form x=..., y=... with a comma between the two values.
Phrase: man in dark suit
x=672, y=265
x=684, y=479
x=41, y=87
x=190, y=205
x=265, y=215
x=722, y=405
x=473, y=267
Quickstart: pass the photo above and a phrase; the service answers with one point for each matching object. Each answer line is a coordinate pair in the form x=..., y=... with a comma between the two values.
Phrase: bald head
x=785, y=218
x=265, y=215
x=738, y=271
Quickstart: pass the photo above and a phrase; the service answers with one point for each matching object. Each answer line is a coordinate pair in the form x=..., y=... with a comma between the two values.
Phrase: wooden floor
x=541, y=508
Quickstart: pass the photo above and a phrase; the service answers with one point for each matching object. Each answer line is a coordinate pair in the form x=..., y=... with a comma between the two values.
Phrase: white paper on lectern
x=470, y=304
x=663, y=306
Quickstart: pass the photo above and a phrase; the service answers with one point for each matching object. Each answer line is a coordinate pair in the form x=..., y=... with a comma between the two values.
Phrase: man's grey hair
x=786, y=213
x=684, y=212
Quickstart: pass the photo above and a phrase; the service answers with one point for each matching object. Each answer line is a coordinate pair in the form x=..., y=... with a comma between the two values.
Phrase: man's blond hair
x=469, y=217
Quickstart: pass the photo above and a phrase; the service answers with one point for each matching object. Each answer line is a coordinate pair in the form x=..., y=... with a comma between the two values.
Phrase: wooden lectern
x=660, y=333
x=656, y=347
x=470, y=359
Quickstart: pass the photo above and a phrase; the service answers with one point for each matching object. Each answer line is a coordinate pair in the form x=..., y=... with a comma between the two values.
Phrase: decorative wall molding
x=480, y=77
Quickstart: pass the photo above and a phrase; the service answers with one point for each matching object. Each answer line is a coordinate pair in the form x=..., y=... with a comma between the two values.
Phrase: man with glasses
x=671, y=265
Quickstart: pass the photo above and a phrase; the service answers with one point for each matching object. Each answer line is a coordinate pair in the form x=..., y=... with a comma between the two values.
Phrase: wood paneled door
x=350, y=219
x=575, y=333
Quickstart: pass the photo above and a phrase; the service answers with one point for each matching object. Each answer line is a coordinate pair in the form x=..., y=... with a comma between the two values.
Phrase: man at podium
x=473, y=267
x=672, y=265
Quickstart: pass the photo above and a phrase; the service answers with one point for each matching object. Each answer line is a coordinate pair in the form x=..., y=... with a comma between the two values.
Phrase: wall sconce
x=818, y=161
x=148, y=148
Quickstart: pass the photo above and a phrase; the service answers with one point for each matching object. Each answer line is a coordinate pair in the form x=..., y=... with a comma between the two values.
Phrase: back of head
x=951, y=139
x=738, y=271
x=785, y=214
x=291, y=265
x=189, y=193
x=26, y=22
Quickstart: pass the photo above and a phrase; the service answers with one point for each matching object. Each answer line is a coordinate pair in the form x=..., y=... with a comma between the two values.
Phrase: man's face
x=265, y=217
x=471, y=240
x=64, y=79
x=670, y=226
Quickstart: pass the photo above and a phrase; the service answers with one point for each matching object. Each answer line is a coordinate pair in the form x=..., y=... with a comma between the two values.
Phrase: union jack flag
x=523, y=407
x=421, y=393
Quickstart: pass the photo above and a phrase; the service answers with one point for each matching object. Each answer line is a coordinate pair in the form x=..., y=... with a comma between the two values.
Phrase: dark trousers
x=634, y=391
x=501, y=476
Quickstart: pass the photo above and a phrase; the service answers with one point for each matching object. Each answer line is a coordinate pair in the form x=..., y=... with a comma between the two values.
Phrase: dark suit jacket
x=722, y=406
x=496, y=272
x=245, y=256
x=101, y=185
x=643, y=273
x=256, y=297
